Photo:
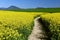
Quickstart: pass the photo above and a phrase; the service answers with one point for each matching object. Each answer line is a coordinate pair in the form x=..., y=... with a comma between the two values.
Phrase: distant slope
x=2, y=8
x=14, y=8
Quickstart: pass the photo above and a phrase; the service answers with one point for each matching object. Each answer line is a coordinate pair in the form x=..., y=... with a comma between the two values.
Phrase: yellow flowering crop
x=16, y=25
x=54, y=24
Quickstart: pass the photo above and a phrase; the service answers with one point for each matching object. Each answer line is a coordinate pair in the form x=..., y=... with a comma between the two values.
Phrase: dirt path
x=38, y=32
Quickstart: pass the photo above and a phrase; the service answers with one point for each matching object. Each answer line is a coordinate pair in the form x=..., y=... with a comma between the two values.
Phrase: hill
x=38, y=9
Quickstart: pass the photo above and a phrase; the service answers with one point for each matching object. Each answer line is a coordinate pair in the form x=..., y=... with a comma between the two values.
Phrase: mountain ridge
x=38, y=9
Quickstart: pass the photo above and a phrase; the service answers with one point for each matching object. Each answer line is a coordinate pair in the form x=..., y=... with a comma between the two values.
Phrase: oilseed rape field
x=53, y=21
x=18, y=25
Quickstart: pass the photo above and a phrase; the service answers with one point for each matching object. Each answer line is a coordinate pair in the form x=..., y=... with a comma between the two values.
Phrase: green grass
x=49, y=10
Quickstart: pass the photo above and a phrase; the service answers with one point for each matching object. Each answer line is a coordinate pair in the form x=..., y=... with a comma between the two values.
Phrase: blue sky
x=30, y=3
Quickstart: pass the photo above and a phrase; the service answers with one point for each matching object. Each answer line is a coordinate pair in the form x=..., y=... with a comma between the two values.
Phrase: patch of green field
x=49, y=10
